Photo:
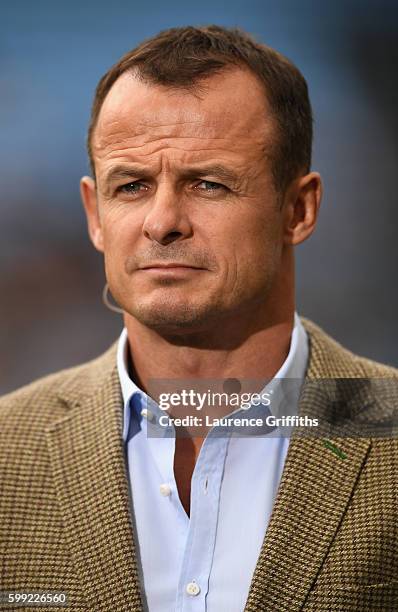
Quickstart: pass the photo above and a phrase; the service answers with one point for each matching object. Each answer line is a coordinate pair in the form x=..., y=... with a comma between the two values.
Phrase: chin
x=172, y=317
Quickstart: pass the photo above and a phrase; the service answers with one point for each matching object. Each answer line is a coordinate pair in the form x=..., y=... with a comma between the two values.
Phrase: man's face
x=184, y=178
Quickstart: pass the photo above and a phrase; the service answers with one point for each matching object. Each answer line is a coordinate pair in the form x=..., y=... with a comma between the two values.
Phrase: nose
x=166, y=220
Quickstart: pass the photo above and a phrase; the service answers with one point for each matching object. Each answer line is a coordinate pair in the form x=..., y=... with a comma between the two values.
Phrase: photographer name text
x=208, y=421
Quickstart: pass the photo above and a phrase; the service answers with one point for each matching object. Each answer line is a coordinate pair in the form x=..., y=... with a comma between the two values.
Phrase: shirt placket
x=205, y=501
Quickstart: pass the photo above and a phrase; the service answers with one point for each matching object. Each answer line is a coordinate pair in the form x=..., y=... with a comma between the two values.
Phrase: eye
x=132, y=188
x=210, y=186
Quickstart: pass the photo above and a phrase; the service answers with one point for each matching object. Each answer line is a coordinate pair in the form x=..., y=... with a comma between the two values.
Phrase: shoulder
x=329, y=359
x=44, y=400
x=348, y=384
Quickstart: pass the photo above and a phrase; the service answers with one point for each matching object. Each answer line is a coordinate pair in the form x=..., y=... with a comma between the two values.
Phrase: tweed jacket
x=66, y=523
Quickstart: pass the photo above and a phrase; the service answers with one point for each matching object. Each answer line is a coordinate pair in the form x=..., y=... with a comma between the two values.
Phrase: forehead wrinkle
x=116, y=129
x=127, y=120
x=113, y=149
x=141, y=127
x=113, y=138
x=161, y=143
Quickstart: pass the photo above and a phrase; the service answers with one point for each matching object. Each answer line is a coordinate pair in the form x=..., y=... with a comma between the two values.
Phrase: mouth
x=168, y=266
x=170, y=270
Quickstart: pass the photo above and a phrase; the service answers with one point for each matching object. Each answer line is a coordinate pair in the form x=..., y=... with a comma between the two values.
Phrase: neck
x=245, y=347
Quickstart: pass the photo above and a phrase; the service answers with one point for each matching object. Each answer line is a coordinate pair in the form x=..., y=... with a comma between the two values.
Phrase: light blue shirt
x=205, y=562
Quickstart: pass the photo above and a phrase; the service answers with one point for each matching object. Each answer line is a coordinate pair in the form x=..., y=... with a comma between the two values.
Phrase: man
x=200, y=147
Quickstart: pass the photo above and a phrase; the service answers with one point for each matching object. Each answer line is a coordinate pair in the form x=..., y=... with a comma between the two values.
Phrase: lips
x=168, y=265
x=175, y=271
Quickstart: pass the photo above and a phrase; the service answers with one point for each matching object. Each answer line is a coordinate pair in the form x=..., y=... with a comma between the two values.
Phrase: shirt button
x=165, y=489
x=193, y=588
x=147, y=414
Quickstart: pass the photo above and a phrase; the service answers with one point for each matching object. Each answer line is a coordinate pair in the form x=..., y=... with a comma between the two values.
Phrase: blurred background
x=52, y=55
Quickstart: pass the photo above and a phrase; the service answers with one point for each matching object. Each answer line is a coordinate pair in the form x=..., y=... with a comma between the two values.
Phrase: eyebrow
x=134, y=171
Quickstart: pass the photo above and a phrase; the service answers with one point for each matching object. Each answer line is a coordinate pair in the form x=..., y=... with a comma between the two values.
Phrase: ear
x=88, y=194
x=301, y=208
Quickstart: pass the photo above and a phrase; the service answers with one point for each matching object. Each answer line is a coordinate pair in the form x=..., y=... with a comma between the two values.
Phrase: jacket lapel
x=315, y=489
x=314, y=492
x=87, y=458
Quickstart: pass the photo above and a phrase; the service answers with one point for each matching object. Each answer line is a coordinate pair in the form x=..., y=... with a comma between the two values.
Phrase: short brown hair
x=180, y=57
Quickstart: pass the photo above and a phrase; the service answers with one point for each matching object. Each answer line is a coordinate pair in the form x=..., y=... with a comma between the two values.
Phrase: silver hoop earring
x=108, y=303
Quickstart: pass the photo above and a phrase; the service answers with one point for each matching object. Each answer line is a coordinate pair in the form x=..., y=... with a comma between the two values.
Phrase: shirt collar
x=293, y=368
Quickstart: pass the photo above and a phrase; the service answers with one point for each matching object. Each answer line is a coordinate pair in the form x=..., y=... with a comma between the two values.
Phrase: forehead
x=229, y=110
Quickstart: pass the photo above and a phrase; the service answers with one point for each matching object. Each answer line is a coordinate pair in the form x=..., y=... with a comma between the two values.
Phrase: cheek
x=120, y=234
x=119, y=245
x=252, y=238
